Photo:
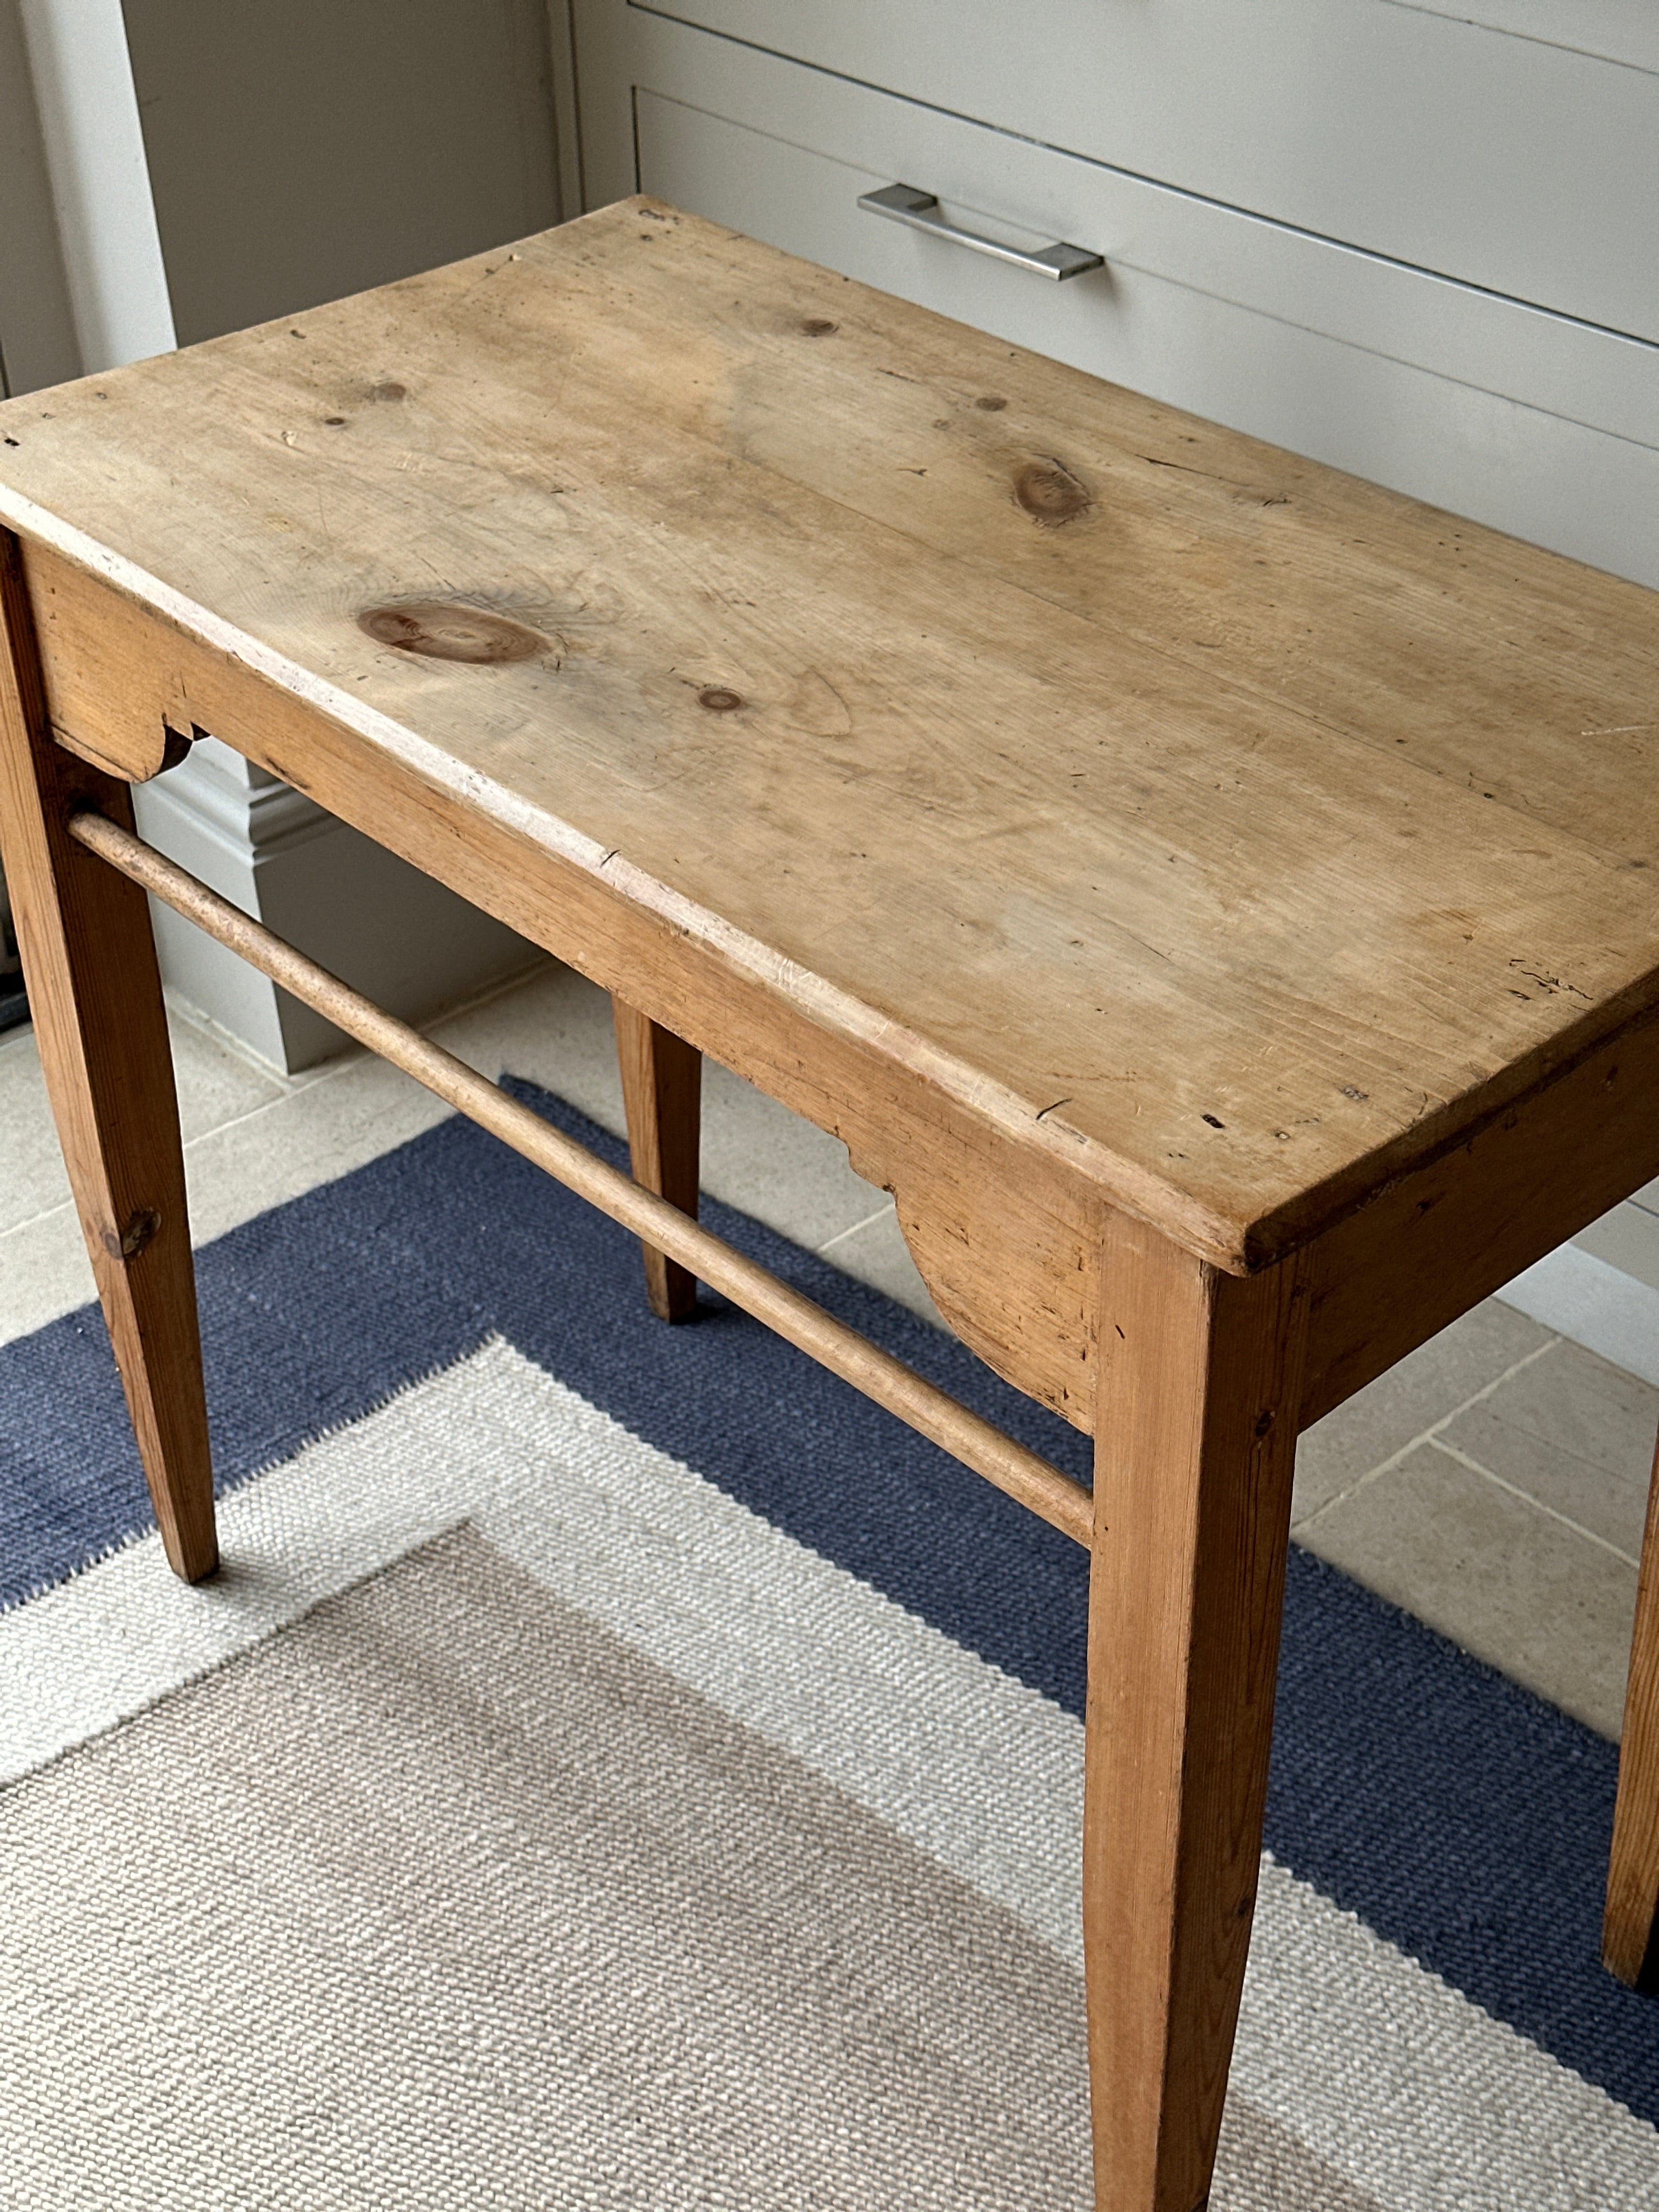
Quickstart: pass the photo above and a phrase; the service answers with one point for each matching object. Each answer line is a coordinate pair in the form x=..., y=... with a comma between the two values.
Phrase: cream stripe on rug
x=1352, y=2062
x=446, y=1895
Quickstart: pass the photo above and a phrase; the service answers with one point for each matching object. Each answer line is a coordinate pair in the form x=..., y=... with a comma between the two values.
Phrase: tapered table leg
x=1630, y=1936
x=1195, y=1449
x=95, y=997
x=662, y=1092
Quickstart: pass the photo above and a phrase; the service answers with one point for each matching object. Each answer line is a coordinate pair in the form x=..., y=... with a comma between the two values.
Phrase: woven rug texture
x=619, y=1766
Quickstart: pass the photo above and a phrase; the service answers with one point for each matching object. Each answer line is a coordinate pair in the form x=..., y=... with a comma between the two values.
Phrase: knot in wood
x=1049, y=493
x=718, y=700
x=139, y=1231
x=440, y=630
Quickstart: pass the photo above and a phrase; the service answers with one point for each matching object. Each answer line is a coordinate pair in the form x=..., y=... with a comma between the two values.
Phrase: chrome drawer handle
x=904, y=203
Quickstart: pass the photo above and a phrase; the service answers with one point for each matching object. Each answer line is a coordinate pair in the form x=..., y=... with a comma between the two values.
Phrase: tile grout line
x=359, y=1056
x=840, y=1235
x=204, y=1027
x=207, y=1031
x=1425, y=1437
x=292, y=1088
x=204, y=1136
x=1463, y=1459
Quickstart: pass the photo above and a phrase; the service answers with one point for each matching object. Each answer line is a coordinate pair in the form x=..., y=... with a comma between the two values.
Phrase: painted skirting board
x=368, y=916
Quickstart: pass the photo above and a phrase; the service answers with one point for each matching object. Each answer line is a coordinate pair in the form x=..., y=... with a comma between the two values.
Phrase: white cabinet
x=1527, y=168
x=1412, y=247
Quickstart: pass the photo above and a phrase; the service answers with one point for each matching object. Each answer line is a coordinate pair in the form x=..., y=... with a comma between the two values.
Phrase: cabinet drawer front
x=1520, y=419
x=1525, y=167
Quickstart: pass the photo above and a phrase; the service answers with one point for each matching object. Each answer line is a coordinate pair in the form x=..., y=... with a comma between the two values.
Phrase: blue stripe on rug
x=1459, y=1817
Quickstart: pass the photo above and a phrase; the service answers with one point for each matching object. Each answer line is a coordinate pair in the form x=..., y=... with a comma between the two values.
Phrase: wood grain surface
x=1630, y=1934
x=1237, y=832
x=662, y=1099
x=95, y=1000
x=1194, y=1454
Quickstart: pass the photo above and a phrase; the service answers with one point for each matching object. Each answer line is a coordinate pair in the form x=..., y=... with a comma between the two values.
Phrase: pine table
x=1216, y=897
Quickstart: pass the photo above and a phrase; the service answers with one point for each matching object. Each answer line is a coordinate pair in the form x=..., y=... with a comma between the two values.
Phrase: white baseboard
x=413, y=946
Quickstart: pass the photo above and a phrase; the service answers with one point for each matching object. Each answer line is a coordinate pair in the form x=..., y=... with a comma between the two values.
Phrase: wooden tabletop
x=1245, y=829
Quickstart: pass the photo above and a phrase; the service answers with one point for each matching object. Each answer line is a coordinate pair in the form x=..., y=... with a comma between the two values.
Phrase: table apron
x=1434, y=1243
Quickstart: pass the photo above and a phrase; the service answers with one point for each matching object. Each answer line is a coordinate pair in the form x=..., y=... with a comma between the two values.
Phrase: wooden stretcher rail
x=1062, y=1501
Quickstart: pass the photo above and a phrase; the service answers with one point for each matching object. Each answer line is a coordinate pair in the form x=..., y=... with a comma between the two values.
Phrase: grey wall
x=296, y=150
x=302, y=149
x=36, y=324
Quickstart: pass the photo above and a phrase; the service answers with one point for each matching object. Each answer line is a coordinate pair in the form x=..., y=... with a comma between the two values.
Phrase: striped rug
x=619, y=1767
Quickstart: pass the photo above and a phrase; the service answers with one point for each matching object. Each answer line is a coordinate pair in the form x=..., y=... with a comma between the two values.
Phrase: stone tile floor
x=1494, y=1483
